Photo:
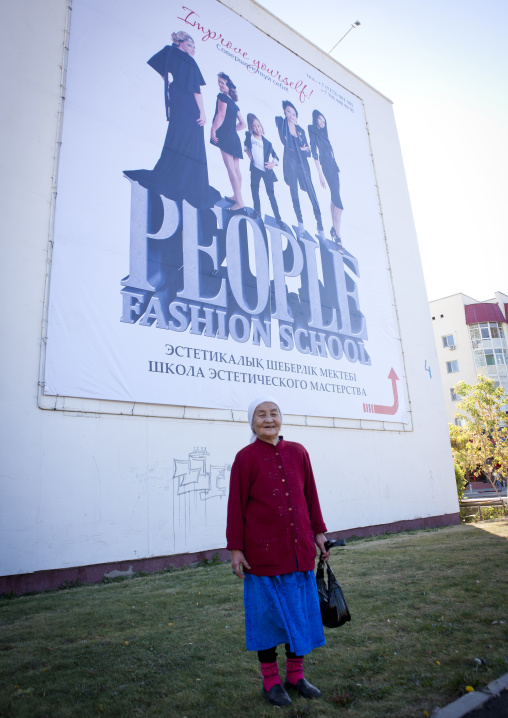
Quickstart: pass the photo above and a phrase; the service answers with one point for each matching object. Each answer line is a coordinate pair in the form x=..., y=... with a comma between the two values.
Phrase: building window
x=455, y=397
x=448, y=340
x=501, y=357
x=479, y=358
x=484, y=329
x=489, y=356
x=452, y=366
x=491, y=330
x=458, y=422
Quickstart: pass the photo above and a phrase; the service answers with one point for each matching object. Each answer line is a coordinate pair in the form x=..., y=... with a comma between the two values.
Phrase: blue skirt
x=283, y=609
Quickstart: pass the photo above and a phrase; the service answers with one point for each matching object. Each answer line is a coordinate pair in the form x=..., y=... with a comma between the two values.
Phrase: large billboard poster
x=217, y=231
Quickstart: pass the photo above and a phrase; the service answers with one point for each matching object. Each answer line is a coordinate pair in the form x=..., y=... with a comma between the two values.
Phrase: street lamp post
x=353, y=25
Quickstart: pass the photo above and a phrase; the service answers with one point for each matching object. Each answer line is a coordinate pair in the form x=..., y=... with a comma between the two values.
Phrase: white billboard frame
x=54, y=401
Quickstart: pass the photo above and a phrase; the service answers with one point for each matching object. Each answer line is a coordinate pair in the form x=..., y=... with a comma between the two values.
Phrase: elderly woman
x=274, y=522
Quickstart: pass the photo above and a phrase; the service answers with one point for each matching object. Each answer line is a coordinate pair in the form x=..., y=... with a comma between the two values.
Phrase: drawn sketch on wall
x=194, y=474
x=188, y=498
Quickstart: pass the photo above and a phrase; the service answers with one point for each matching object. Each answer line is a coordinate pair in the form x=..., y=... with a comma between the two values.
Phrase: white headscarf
x=254, y=405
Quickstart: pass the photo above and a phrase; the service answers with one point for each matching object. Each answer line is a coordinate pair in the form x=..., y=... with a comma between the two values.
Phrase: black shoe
x=277, y=696
x=337, y=240
x=304, y=688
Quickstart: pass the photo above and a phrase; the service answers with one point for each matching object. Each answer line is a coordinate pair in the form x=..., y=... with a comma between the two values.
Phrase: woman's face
x=257, y=128
x=290, y=114
x=187, y=46
x=223, y=86
x=321, y=122
x=266, y=422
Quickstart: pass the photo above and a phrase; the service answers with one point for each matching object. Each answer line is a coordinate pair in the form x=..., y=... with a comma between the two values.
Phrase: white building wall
x=87, y=482
x=448, y=317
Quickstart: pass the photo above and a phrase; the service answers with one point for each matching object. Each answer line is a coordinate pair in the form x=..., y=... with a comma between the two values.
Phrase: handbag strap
x=320, y=571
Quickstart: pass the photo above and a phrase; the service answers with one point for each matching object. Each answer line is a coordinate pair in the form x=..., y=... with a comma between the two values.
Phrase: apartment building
x=471, y=339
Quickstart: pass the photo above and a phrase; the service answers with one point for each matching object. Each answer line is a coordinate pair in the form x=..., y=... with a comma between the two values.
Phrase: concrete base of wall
x=430, y=522
x=65, y=577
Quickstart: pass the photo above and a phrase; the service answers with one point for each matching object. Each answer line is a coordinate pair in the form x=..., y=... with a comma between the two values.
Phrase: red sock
x=270, y=672
x=294, y=669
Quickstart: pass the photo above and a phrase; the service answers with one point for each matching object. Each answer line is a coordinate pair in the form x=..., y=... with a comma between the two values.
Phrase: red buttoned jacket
x=273, y=508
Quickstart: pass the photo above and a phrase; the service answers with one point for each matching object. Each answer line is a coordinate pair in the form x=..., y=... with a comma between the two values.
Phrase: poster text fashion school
x=223, y=276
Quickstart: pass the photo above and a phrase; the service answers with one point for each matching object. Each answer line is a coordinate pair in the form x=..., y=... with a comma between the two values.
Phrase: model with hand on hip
x=226, y=125
x=259, y=150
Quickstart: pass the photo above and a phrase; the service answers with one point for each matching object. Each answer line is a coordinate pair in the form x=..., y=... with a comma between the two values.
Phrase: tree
x=481, y=444
x=459, y=440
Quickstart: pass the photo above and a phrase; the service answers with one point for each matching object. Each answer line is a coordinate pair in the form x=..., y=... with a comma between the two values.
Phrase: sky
x=444, y=65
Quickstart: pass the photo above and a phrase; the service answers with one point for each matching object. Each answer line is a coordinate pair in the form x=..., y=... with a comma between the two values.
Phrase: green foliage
x=481, y=445
x=459, y=441
x=473, y=514
x=341, y=698
x=460, y=479
x=493, y=512
x=214, y=561
x=300, y=712
x=69, y=584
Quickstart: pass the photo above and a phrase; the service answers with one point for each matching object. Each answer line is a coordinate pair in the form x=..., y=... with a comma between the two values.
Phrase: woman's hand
x=218, y=121
x=199, y=102
x=238, y=560
x=320, y=541
x=241, y=124
x=270, y=165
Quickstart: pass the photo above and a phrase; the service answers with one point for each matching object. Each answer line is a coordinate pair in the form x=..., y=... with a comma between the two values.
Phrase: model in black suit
x=295, y=164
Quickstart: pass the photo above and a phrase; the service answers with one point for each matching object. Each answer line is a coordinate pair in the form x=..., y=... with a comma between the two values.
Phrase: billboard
x=218, y=231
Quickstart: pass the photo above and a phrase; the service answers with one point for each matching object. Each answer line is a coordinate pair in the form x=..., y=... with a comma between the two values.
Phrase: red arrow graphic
x=379, y=408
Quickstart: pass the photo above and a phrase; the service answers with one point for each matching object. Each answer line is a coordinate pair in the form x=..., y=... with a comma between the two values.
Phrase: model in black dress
x=226, y=125
x=181, y=171
x=328, y=170
x=295, y=164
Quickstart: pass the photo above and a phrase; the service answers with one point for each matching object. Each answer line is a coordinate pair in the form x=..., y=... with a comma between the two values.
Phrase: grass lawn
x=429, y=616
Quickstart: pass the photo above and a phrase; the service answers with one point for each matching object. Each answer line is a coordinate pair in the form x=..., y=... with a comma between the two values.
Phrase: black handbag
x=334, y=610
